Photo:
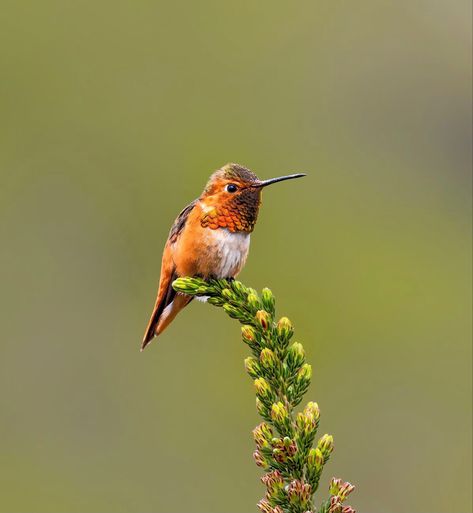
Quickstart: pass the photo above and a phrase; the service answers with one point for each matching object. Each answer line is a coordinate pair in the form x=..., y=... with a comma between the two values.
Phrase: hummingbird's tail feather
x=161, y=318
x=178, y=303
x=166, y=295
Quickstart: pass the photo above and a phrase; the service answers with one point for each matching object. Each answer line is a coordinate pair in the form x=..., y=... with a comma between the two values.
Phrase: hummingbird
x=209, y=239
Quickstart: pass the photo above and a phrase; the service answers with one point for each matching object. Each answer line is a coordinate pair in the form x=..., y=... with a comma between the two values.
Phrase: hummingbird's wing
x=166, y=293
x=180, y=222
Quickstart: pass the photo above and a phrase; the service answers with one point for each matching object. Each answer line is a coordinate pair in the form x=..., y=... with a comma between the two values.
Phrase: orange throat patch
x=235, y=216
x=224, y=218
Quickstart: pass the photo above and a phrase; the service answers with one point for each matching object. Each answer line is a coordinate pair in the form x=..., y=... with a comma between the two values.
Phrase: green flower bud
x=238, y=288
x=315, y=463
x=295, y=357
x=232, y=311
x=263, y=319
x=268, y=359
x=263, y=389
x=187, y=285
x=263, y=435
x=262, y=386
x=284, y=448
x=216, y=301
x=281, y=419
x=334, y=486
x=279, y=412
x=300, y=385
x=289, y=446
x=307, y=422
x=268, y=300
x=248, y=334
x=252, y=367
x=284, y=329
x=228, y=294
x=253, y=301
x=325, y=445
x=219, y=284
x=304, y=374
x=315, y=460
x=312, y=411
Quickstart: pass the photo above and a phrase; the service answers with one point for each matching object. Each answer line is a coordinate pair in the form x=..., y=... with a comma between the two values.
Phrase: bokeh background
x=113, y=114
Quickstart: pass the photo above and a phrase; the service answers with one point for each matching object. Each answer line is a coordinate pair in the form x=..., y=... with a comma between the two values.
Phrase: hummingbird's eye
x=231, y=187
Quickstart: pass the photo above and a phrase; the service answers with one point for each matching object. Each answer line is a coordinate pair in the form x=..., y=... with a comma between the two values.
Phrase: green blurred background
x=113, y=114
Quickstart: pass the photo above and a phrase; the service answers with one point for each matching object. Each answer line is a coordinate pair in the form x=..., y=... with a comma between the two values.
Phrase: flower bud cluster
x=315, y=464
x=325, y=446
x=295, y=357
x=307, y=422
x=240, y=290
x=284, y=330
x=229, y=294
x=263, y=435
x=301, y=383
x=274, y=483
x=264, y=392
x=281, y=419
x=234, y=312
x=297, y=373
x=299, y=494
x=252, y=367
x=281, y=377
x=253, y=301
x=340, y=488
x=268, y=301
x=284, y=449
x=269, y=362
x=339, y=491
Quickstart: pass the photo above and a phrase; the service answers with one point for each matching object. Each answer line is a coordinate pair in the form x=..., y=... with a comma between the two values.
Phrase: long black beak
x=264, y=183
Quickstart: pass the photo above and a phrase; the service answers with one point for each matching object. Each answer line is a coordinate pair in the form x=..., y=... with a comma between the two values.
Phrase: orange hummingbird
x=210, y=238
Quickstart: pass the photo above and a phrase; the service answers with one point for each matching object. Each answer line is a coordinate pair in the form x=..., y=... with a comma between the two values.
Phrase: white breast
x=231, y=250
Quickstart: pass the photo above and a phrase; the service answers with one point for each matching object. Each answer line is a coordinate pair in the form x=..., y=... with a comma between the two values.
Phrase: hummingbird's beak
x=264, y=183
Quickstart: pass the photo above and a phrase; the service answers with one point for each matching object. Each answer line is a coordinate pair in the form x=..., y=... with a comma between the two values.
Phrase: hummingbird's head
x=232, y=198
